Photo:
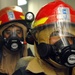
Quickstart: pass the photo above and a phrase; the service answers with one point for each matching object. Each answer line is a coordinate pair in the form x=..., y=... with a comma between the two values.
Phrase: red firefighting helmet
x=53, y=12
x=9, y=14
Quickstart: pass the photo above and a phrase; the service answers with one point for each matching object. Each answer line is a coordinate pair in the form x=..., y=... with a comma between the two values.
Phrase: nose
x=53, y=39
x=13, y=32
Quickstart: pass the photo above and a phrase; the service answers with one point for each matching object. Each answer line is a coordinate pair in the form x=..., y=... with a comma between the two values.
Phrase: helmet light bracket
x=29, y=17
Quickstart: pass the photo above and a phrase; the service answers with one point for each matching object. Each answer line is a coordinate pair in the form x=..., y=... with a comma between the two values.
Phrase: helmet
x=12, y=13
x=54, y=30
x=51, y=13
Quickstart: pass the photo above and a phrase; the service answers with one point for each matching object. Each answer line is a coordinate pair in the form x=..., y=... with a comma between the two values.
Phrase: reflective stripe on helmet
x=40, y=22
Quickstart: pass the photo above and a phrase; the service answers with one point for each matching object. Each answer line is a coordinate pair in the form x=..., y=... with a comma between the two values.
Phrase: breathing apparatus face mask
x=57, y=42
x=13, y=37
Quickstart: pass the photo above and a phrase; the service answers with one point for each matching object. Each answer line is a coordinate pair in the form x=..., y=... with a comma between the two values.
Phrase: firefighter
x=53, y=31
x=13, y=31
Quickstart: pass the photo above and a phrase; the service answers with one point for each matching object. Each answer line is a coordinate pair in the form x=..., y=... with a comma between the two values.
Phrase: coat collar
x=38, y=66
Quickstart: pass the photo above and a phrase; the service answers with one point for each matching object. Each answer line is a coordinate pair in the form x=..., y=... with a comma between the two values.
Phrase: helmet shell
x=9, y=14
x=50, y=12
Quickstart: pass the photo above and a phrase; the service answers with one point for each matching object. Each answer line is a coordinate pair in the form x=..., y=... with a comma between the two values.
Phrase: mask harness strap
x=21, y=52
x=1, y=45
x=1, y=53
x=43, y=58
x=70, y=71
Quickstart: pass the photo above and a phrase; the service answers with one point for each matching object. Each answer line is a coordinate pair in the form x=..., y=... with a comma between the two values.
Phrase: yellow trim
x=41, y=21
x=22, y=17
x=0, y=22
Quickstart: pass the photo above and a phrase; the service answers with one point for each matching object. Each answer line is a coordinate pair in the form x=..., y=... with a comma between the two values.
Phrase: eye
x=8, y=32
x=18, y=31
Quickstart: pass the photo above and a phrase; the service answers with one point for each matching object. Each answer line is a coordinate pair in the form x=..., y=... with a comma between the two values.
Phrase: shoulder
x=23, y=62
x=21, y=66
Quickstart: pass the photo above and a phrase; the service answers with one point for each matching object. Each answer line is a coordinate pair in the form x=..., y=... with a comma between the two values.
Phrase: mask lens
x=56, y=31
x=13, y=31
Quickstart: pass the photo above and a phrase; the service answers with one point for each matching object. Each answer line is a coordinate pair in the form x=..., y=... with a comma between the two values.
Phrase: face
x=13, y=30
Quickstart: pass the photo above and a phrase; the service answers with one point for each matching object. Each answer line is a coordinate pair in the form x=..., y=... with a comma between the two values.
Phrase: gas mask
x=13, y=37
x=57, y=42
